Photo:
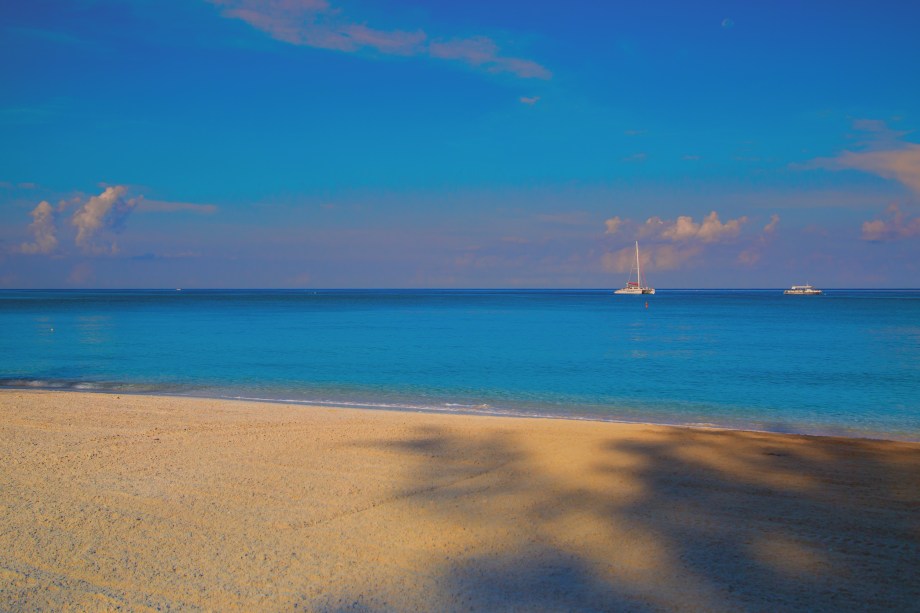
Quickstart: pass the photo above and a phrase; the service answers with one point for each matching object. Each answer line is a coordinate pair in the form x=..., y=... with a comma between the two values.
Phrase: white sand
x=138, y=503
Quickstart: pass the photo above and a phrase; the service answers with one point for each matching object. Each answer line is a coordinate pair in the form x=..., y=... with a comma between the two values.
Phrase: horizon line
x=424, y=289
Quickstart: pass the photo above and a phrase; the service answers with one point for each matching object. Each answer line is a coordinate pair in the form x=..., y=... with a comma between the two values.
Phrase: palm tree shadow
x=669, y=519
x=819, y=524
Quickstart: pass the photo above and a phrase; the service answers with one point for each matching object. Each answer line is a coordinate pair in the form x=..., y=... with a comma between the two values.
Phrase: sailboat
x=636, y=287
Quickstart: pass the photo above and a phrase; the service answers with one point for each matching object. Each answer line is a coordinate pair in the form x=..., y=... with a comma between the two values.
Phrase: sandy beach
x=153, y=503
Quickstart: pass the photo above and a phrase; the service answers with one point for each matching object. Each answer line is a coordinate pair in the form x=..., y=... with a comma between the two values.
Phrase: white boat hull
x=635, y=290
x=635, y=287
x=803, y=290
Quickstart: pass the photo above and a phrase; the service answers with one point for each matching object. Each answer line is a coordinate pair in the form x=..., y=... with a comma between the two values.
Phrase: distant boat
x=803, y=290
x=636, y=287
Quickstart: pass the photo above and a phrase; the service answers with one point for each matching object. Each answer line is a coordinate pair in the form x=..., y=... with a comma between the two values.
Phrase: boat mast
x=638, y=269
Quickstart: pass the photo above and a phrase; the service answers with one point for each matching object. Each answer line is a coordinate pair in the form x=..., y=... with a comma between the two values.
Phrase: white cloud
x=613, y=224
x=682, y=229
x=672, y=244
x=901, y=164
x=316, y=23
x=651, y=227
x=95, y=220
x=710, y=230
x=894, y=228
x=106, y=212
x=771, y=227
x=685, y=229
x=42, y=229
x=483, y=52
x=885, y=155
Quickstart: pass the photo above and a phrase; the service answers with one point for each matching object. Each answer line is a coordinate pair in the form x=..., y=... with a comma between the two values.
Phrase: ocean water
x=844, y=363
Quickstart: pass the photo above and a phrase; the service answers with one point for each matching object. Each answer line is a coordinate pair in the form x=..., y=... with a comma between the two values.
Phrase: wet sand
x=139, y=502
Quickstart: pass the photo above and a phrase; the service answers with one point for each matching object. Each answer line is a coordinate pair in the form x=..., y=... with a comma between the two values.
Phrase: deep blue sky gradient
x=353, y=169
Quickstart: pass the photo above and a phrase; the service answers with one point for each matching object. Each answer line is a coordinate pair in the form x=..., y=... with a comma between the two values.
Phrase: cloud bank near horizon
x=672, y=244
x=896, y=227
x=95, y=220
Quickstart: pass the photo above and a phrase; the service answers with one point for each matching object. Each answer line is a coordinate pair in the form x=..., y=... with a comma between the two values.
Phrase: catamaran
x=636, y=287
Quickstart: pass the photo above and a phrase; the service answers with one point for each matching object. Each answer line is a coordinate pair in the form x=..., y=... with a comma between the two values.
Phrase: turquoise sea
x=846, y=363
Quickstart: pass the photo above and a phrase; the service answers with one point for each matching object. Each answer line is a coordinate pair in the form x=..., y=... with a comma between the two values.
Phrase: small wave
x=345, y=403
x=447, y=407
x=86, y=386
x=36, y=383
x=444, y=407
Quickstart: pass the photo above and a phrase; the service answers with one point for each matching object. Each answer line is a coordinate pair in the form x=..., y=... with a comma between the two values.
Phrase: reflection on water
x=93, y=329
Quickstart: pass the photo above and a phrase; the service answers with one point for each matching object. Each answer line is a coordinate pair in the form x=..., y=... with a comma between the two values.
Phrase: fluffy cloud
x=685, y=229
x=651, y=227
x=671, y=244
x=771, y=227
x=894, y=228
x=105, y=212
x=42, y=229
x=316, y=23
x=94, y=220
x=710, y=230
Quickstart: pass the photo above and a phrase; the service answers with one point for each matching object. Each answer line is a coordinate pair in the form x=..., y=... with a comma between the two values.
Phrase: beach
x=136, y=502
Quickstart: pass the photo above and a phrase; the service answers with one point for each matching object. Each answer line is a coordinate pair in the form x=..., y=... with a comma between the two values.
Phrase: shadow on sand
x=663, y=519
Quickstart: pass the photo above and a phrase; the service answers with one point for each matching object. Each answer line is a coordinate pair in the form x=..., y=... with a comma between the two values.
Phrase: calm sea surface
x=847, y=362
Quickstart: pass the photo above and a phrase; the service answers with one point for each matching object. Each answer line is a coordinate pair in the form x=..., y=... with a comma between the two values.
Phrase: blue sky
x=349, y=143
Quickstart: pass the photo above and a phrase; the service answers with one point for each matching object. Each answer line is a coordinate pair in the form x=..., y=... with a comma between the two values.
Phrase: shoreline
x=489, y=411
x=146, y=502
